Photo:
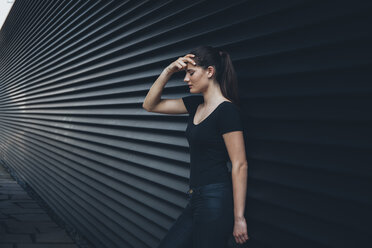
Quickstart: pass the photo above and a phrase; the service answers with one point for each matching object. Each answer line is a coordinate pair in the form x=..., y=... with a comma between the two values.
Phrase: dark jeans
x=206, y=222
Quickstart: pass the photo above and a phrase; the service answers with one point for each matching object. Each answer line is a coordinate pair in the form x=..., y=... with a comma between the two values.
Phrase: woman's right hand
x=180, y=63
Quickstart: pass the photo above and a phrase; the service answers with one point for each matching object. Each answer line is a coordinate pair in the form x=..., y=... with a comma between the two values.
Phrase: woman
x=215, y=134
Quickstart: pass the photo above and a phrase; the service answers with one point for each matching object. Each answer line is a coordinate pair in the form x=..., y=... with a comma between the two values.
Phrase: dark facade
x=74, y=74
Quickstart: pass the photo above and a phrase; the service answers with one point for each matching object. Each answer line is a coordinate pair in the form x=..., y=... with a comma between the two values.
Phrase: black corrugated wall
x=74, y=74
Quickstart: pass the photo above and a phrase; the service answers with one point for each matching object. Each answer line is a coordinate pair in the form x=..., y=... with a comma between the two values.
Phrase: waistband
x=199, y=189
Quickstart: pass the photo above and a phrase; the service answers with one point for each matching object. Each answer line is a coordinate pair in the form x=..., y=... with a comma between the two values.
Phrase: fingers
x=191, y=61
x=240, y=239
x=179, y=65
x=181, y=62
x=188, y=59
x=246, y=236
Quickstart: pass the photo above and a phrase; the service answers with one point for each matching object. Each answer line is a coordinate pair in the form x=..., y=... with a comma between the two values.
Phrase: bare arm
x=153, y=101
x=235, y=146
x=153, y=97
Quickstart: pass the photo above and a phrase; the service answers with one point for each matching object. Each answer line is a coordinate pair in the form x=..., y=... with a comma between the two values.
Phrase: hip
x=221, y=190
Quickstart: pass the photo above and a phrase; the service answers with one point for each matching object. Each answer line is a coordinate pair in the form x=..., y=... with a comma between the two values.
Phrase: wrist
x=167, y=71
x=239, y=218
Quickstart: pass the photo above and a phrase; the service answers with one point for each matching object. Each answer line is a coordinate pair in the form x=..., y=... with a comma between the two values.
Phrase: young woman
x=215, y=134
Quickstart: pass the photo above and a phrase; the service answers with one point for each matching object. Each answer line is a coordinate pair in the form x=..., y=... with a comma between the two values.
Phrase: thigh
x=213, y=218
x=180, y=233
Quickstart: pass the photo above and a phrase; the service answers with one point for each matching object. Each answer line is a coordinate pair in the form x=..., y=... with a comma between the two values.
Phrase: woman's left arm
x=234, y=142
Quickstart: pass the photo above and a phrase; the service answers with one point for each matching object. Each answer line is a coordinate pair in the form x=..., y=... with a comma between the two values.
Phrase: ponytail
x=228, y=80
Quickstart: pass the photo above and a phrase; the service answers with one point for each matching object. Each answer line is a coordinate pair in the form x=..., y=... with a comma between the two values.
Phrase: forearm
x=239, y=175
x=153, y=97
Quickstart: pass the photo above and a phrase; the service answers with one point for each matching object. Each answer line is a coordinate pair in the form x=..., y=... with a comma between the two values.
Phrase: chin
x=192, y=90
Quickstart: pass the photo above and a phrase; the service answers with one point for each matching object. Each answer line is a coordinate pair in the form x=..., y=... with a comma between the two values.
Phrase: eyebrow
x=190, y=70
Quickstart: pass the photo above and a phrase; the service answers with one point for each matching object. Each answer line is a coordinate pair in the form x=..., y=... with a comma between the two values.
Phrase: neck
x=212, y=95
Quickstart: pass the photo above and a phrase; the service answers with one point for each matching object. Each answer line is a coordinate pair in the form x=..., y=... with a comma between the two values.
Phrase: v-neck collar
x=192, y=121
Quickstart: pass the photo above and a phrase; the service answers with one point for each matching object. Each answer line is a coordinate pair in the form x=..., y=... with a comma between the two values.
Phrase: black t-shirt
x=208, y=153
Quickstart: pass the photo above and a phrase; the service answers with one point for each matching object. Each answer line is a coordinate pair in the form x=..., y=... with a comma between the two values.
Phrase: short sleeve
x=191, y=102
x=229, y=119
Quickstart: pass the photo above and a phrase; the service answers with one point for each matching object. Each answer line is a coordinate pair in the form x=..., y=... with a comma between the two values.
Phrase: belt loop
x=189, y=192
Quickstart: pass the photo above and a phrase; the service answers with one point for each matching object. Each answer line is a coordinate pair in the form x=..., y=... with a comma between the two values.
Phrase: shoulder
x=229, y=106
x=229, y=112
x=191, y=102
x=229, y=118
x=193, y=98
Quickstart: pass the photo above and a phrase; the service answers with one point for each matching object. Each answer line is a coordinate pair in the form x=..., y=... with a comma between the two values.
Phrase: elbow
x=148, y=108
x=240, y=165
x=144, y=106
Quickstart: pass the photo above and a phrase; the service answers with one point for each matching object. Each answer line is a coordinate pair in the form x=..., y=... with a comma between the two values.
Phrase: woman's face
x=197, y=78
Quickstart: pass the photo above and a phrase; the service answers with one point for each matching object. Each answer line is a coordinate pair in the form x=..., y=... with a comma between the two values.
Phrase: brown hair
x=225, y=73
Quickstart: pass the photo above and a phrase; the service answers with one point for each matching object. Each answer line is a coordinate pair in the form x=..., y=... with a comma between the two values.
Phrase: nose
x=186, y=78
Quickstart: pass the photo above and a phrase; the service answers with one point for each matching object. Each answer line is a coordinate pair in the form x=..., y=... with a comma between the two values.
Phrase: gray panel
x=74, y=74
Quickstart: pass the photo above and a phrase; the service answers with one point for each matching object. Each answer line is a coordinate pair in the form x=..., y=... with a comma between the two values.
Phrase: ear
x=210, y=71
